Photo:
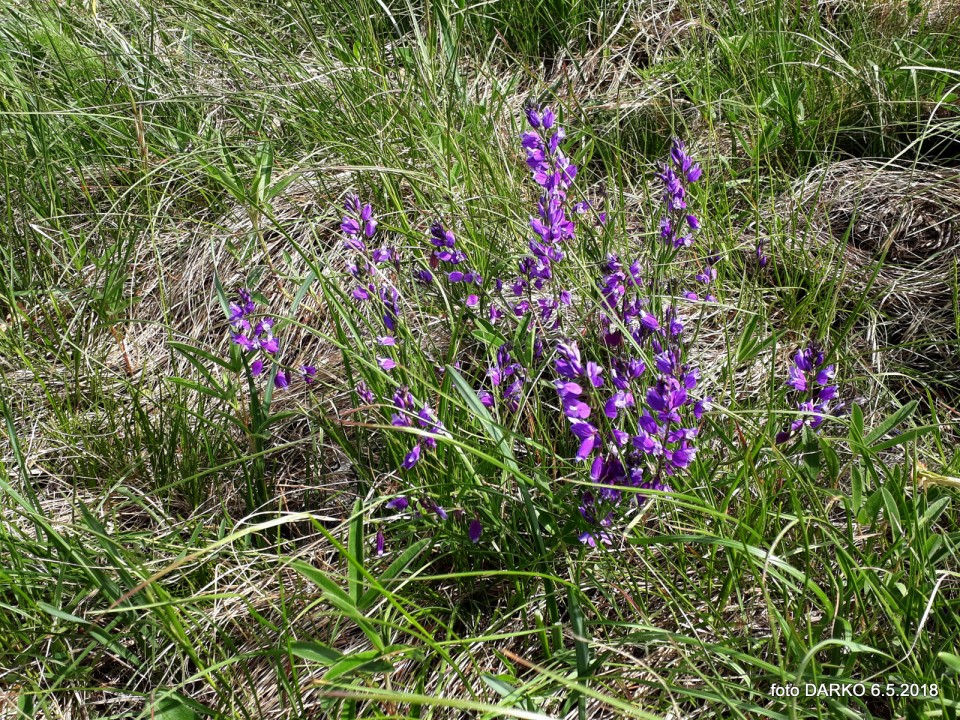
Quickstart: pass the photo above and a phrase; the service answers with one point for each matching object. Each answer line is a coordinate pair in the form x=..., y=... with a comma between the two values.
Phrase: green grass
x=170, y=549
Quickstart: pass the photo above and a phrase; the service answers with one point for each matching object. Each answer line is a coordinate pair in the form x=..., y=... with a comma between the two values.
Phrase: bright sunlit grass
x=516, y=440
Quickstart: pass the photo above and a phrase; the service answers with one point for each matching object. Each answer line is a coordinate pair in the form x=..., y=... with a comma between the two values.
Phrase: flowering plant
x=610, y=359
x=627, y=397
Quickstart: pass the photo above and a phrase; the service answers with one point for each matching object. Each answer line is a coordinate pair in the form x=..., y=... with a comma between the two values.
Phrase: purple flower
x=568, y=363
x=350, y=226
x=682, y=456
x=797, y=379
x=762, y=258
x=809, y=380
x=403, y=400
x=387, y=340
x=369, y=223
x=281, y=380
x=386, y=363
x=702, y=406
x=256, y=367
x=383, y=255
x=244, y=342
x=575, y=408
x=474, y=531
x=594, y=372
x=364, y=393
x=424, y=276
x=412, y=458
x=270, y=345
x=398, y=503
x=390, y=297
x=589, y=438
x=617, y=402
x=591, y=539
x=649, y=321
x=309, y=373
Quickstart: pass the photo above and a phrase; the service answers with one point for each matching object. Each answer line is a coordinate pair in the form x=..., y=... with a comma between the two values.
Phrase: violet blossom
x=810, y=382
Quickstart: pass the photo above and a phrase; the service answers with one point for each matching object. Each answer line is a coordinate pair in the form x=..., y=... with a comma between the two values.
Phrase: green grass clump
x=170, y=548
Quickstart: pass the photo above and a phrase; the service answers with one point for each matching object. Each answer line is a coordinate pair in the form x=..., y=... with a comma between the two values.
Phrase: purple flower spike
x=474, y=531
x=808, y=380
x=364, y=393
x=762, y=258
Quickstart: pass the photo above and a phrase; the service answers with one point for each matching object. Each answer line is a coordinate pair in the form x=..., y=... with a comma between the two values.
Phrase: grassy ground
x=169, y=549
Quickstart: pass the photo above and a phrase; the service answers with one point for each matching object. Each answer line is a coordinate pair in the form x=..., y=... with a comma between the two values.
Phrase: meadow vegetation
x=336, y=381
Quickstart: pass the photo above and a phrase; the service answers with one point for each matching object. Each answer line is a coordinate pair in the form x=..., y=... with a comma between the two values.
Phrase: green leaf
x=856, y=425
x=339, y=599
x=393, y=570
x=581, y=644
x=492, y=429
x=904, y=437
x=830, y=459
x=368, y=661
x=177, y=707
x=499, y=684
x=890, y=423
x=315, y=652
x=355, y=549
x=893, y=513
x=868, y=514
x=934, y=511
x=856, y=488
x=951, y=661
x=279, y=186
x=57, y=613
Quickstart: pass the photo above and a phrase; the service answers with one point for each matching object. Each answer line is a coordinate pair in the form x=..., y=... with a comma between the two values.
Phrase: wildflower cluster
x=258, y=341
x=677, y=225
x=366, y=266
x=810, y=381
x=376, y=274
x=447, y=255
x=554, y=173
x=643, y=437
x=410, y=413
x=634, y=426
x=424, y=506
